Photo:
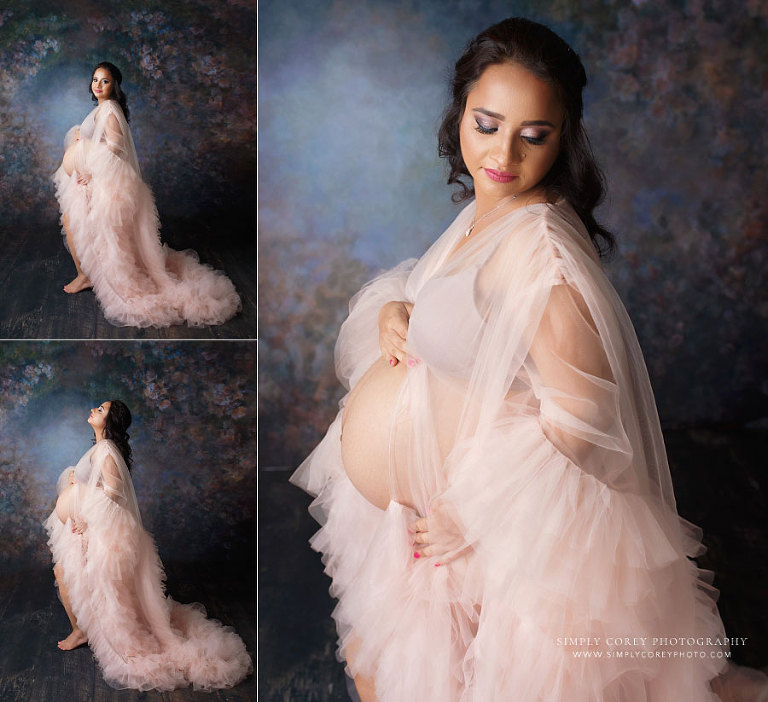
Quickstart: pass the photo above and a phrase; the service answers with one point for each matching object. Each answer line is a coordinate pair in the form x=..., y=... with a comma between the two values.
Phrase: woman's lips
x=500, y=177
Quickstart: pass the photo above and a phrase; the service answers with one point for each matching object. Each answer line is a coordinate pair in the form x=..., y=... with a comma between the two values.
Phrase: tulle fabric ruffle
x=558, y=557
x=138, y=281
x=142, y=639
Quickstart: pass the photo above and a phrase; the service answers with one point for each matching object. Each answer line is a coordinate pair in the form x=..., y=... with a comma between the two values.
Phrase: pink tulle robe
x=527, y=414
x=138, y=281
x=141, y=638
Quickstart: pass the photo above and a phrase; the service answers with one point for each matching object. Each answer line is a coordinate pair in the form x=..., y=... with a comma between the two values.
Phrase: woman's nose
x=506, y=153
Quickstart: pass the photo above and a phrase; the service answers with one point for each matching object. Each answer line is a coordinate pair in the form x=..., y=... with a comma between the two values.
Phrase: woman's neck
x=485, y=204
x=99, y=434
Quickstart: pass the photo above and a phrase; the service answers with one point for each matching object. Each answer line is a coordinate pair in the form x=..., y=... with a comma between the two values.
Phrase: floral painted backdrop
x=189, y=74
x=193, y=439
x=350, y=99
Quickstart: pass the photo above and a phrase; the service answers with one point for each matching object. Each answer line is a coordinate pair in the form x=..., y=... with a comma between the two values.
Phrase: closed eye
x=484, y=129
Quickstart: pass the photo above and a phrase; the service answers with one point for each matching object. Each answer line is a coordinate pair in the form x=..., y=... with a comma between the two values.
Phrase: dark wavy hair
x=116, y=429
x=117, y=91
x=575, y=174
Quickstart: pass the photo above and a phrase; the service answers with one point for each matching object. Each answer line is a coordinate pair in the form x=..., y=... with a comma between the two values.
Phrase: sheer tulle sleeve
x=572, y=378
x=358, y=344
x=114, y=137
x=111, y=147
x=553, y=328
x=112, y=481
x=109, y=497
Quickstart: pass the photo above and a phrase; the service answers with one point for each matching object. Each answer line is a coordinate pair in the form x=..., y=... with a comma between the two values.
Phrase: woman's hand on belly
x=438, y=535
x=393, y=330
x=78, y=525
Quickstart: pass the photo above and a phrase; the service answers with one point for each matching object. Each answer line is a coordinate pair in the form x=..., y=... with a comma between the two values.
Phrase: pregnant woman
x=112, y=230
x=497, y=511
x=110, y=579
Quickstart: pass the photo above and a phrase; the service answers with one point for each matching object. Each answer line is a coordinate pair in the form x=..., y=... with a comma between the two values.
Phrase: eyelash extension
x=534, y=141
x=484, y=130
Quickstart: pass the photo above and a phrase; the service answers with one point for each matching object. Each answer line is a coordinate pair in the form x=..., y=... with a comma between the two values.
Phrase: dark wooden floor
x=33, y=669
x=720, y=483
x=34, y=265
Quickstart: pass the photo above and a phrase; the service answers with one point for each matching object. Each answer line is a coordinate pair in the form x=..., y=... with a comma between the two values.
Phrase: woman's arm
x=358, y=345
x=579, y=412
x=111, y=481
x=114, y=136
x=573, y=380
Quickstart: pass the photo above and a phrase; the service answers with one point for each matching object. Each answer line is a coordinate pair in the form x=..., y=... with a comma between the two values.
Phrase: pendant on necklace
x=487, y=214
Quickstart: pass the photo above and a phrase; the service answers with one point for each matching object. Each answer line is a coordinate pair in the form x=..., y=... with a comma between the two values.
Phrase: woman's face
x=98, y=416
x=510, y=132
x=101, y=84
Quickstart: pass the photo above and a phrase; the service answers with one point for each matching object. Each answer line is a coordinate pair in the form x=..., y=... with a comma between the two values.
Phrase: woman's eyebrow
x=495, y=115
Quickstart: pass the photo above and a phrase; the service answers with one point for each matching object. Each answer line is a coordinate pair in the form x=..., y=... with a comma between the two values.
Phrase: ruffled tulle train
x=141, y=639
x=115, y=230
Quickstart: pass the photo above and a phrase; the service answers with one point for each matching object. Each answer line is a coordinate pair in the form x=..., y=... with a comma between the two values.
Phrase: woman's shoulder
x=551, y=218
x=104, y=446
x=556, y=226
x=110, y=107
x=543, y=243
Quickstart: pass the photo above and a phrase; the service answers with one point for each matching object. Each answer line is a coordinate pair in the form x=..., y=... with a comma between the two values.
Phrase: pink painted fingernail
x=411, y=363
x=436, y=564
x=391, y=361
x=416, y=555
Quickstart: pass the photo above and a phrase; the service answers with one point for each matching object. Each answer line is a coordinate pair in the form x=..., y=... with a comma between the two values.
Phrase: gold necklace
x=475, y=222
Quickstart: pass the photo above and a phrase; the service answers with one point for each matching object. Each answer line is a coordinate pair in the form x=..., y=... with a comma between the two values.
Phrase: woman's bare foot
x=78, y=284
x=75, y=639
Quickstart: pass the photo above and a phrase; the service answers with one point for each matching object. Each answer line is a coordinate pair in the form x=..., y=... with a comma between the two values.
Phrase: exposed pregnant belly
x=69, y=162
x=366, y=426
x=65, y=504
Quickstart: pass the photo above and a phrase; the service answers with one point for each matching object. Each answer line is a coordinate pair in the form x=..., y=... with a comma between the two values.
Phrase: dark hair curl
x=116, y=429
x=575, y=174
x=117, y=91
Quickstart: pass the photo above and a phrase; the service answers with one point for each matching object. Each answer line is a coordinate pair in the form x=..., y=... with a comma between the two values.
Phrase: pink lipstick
x=499, y=177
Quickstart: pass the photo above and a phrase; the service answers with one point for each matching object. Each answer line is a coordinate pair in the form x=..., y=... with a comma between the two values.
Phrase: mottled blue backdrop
x=188, y=71
x=351, y=95
x=193, y=440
